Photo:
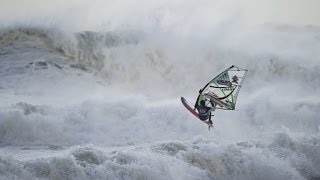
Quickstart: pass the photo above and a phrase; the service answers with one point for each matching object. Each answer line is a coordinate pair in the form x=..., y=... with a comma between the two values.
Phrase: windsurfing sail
x=223, y=89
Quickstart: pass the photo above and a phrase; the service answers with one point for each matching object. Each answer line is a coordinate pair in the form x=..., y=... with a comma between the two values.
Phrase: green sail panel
x=224, y=88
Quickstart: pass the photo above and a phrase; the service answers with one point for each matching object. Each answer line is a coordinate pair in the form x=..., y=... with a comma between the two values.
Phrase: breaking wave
x=282, y=158
x=119, y=91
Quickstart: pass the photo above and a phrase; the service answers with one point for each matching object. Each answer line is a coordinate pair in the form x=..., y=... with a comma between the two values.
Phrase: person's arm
x=213, y=106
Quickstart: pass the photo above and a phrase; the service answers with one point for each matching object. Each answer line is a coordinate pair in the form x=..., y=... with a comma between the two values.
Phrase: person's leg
x=210, y=118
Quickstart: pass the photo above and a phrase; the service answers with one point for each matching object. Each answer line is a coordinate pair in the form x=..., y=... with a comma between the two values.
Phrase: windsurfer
x=204, y=110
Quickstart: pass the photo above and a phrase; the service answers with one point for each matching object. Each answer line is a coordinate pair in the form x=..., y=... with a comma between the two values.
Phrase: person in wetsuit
x=204, y=111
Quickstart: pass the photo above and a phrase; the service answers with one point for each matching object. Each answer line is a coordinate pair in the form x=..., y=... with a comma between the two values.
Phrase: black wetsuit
x=204, y=112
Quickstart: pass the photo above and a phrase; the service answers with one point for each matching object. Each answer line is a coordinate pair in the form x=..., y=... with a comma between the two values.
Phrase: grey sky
x=300, y=12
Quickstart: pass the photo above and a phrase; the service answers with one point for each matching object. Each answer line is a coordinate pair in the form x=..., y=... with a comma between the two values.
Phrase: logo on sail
x=235, y=79
x=224, y=80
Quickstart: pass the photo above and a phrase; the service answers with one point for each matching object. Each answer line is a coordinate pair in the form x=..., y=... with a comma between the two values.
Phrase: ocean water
x=102, y=101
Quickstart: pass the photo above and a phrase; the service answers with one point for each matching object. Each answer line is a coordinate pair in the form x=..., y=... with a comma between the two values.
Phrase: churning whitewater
x=106, y=104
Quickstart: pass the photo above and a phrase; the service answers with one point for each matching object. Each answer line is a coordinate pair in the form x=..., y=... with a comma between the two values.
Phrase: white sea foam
x=104, y=103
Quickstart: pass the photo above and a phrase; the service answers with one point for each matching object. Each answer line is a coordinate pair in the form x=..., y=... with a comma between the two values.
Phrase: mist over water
x=96, y=95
